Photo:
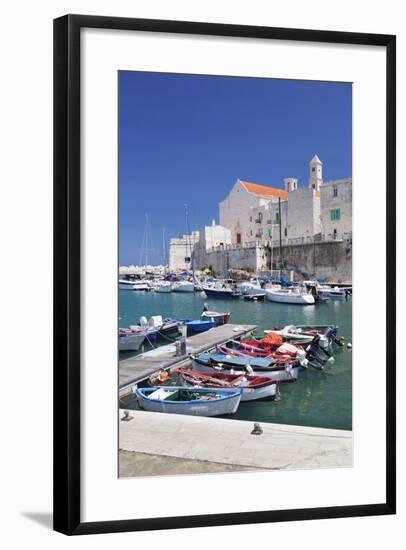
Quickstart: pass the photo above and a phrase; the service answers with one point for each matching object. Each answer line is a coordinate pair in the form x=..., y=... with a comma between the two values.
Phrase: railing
x=263, y=240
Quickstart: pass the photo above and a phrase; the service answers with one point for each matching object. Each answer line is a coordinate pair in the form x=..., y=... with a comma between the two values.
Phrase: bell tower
x=290, y=184
x=315, y=173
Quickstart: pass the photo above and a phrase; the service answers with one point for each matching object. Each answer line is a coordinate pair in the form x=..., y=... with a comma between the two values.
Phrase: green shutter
x=338, y=214
x=331, y=215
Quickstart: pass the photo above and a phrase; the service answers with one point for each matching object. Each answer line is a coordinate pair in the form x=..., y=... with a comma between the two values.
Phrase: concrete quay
x=229, y=442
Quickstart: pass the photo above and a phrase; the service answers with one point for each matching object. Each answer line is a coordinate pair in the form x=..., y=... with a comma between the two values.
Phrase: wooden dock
x=136, y=369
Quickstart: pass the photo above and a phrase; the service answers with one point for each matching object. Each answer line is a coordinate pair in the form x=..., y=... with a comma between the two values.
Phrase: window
x=335, y=191
x=335, y=234
x=277, y=218
x=313, y=169
x=270, y=233
x=251, y=233
x=286, y=231
x=238, y=238
x=260, y=217
x=250, y=218
x=335, y=214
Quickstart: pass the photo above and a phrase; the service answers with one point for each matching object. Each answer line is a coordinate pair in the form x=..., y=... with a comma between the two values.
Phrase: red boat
x=253, y=387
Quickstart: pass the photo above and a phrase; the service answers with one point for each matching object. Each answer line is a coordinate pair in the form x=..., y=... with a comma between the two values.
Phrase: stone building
x=336, y=209
x=212, y=237
x=308, y=229
x=257, y=213
x=181, y=250
x=239, y=209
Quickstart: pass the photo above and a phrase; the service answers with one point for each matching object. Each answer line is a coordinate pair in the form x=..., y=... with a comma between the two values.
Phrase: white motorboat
x=335, y=293
x=129, y=340
x=326, y=291
x=183, y=286
x=290, y=295
x=125, y=284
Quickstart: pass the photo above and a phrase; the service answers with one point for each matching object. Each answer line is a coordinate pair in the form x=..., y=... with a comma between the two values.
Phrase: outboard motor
x=331, y=333
x=312, y=355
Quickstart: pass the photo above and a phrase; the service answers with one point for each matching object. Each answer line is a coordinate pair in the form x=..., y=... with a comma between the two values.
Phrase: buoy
x=349, y=345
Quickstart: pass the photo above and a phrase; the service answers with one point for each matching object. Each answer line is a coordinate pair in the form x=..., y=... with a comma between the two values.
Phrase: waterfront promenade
x=218, y=444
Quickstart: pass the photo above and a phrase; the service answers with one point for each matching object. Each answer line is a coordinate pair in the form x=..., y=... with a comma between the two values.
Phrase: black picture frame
x=67, y=294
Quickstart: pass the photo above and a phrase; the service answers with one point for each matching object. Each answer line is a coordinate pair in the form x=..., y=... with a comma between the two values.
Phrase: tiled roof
x=264, y=190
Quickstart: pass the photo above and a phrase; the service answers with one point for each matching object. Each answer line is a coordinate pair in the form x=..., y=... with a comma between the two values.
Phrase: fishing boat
x=155, y=327
x=282, y=373
x=199, y=325
x=218, y=318
x=226, y=292
x=196, y=401
x=129, y=340
x=283, y=352
x=291, y=295
x=304, y=334
x=253, y=387
x=239, y=360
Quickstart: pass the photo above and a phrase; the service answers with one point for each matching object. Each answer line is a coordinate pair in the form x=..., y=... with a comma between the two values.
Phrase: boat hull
x=184, y=287
x=218, y=318
x=282, y=375
x=226, y=404
x=268, y=391
x=130, y=342
x=163, y=289
x=220, y=293
x=289, y=298
x=195, y=327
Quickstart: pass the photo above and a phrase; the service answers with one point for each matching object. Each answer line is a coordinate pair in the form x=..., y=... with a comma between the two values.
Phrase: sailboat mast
x=146, y=241
x=189, y=236
x=163, y=249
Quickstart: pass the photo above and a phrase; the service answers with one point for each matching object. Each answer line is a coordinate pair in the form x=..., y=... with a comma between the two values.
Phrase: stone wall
x=331, y=260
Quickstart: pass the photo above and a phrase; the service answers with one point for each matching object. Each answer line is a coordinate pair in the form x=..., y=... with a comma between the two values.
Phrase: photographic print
x=235, y=277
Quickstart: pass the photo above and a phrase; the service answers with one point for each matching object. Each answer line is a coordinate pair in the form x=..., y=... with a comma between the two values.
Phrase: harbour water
x=318, y=398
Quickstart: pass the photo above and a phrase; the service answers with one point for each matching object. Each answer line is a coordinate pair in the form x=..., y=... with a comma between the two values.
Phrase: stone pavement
x=228, y=441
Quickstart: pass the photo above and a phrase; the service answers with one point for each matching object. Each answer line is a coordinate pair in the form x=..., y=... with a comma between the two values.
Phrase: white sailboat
x=183, y=286
x=290, y=295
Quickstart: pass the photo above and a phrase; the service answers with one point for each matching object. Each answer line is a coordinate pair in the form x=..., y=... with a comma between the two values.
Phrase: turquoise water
x=318, y=398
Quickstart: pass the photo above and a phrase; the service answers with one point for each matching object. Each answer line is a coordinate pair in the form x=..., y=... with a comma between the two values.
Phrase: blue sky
x=185, y=139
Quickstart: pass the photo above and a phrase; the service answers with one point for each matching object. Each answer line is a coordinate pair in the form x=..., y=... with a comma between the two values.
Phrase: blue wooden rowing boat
x=196, y=401
x=199, y=325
